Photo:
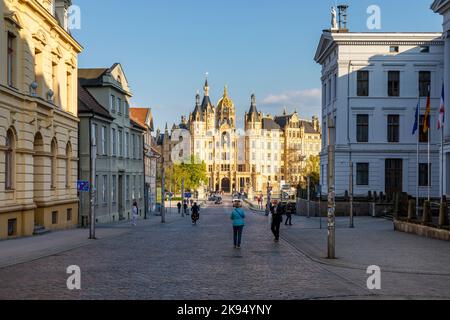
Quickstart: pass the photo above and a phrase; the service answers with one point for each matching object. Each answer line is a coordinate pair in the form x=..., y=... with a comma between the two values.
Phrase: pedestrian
x=195, y=213
x=179, y=207
x=134, y=213
x=238, y=217
x=277, y=219
x=288, y=216
x=185, y=207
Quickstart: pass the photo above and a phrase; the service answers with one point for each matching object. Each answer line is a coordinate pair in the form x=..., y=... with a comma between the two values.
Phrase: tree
x=193, y=173
x=312, y=169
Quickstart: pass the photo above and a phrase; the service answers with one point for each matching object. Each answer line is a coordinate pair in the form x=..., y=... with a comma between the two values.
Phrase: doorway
x=120, y=198
x=394, y=176
x=226, y=185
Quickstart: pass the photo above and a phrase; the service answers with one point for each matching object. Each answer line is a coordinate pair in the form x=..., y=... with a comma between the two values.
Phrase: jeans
x=289, y=219
x=276, y=229
x=237, y=235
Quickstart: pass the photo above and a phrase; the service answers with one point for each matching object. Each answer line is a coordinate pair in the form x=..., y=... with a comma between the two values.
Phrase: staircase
x=40, y=230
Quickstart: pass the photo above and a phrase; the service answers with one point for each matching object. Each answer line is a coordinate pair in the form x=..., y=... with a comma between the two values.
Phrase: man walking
x=185, y=208
x=277, y=219
x=288, y=215
x=179, y=207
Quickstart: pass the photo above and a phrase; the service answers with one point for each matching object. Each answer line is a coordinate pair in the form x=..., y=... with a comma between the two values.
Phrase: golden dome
x=226, y=101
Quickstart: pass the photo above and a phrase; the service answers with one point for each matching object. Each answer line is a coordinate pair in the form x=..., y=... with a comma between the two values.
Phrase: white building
x=443, y=7
x=371, y=87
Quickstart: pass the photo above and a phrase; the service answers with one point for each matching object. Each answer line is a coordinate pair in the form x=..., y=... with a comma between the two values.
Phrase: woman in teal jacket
x=238, y=217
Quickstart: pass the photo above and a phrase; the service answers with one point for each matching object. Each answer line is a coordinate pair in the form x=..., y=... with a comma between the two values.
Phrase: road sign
x=83, y=186
x=188, y=195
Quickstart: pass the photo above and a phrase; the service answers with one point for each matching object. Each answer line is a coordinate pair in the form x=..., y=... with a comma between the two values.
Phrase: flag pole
x=418, y=159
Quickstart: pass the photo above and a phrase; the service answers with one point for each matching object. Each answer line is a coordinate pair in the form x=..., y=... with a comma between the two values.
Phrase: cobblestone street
x=181, y=261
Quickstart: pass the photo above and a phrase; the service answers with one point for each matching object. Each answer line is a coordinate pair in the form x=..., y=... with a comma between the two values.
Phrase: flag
x=426, y=121
x=442, y=110
x=416, y=123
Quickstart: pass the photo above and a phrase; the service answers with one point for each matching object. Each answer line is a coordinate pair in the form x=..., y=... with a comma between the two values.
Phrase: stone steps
x=40, y=230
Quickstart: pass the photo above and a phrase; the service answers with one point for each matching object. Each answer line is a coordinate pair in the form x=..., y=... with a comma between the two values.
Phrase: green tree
x=194, y=174
x=312, y=168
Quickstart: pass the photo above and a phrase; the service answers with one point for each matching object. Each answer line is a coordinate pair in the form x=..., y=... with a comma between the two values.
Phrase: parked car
x=219, y=201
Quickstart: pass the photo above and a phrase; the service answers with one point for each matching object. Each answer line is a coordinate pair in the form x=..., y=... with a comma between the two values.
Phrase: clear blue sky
x=264, y=47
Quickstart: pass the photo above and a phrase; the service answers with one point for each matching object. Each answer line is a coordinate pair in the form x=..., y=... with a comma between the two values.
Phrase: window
x=362, y=130
x=394, y=49
x=113, y=142
x=54, y=166
x=69, y=214
x=55, y=217
x=424, y=83
x=423, y=175
x=127, y=188
x=69, y=91
x=362, y=174
x=103, y=140
x=94, y=133
x=113, y=189
x=335, y=80
x=12, y=227
x=55, y=84
x=120, y=143
x=425, y=49
x=394, y=83
x=140, y=187
x=423, y=138
x=138, y=147
x=113, y=103
x=104, y=189
x=127, y=109
x=96, y=190
x=119, y=105
x=9, y=160
x=68, y=165
x=11, y=59
x=394, y=128
x=363, y=84
x=127, y=142
x=133, y=195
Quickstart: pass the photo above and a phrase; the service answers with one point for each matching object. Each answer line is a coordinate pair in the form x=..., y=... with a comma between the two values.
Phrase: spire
x=206, y=87
x=197, y=115
x=225, y=91
x=197, y=100
x=253, y=114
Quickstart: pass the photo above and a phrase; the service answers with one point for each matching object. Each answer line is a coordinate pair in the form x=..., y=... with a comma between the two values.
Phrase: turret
x=253, y=117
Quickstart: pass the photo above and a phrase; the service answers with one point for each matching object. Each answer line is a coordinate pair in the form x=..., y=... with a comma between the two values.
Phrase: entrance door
x=394, y=176
x=120, y=198
x=226, y=185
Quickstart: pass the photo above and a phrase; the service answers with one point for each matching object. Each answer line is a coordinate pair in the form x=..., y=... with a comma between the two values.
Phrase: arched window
x=54, y=164
x=68, y=165
x=9, y=160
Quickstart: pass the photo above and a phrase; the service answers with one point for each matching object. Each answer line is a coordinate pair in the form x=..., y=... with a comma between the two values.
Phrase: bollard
x=443, y=217
x=412, y=210
x=426, y=218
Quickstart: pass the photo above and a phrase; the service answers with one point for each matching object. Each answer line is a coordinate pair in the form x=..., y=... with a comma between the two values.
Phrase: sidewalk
x=21, y=250
x=372, y=242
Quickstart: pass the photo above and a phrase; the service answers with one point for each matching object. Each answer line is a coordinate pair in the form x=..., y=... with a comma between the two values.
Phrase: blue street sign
x=188, y=195
x=83, y=186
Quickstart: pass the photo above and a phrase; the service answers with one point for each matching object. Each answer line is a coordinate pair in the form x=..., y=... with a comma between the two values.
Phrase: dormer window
x=394, y=49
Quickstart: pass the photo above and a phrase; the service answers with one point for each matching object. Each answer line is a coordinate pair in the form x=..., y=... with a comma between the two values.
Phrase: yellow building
x=38, y=118
x=272, y=152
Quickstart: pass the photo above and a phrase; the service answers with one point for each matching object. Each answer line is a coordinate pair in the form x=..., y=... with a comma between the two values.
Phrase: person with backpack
x=195, y=213
x=134, y=213
x=238, y=218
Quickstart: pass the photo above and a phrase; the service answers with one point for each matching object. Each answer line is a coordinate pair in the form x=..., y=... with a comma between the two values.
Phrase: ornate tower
x=253, y=118
x=226, y=112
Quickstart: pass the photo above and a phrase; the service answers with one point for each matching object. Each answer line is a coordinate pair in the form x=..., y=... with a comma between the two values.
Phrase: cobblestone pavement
x=181, y=261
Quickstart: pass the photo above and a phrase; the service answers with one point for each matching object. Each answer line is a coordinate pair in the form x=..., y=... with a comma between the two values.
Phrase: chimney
x=61, y=12
x=343, y=14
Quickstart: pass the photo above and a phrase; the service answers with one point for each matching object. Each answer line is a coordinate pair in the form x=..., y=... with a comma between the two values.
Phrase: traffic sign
x=188, y=195
x=83, y=186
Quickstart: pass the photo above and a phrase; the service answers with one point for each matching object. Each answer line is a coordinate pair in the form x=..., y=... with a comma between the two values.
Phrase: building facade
x=38, y=118
x=248, y=162
x=372, y=83
x=443, y=7
x=144, y=117
x=119, y=170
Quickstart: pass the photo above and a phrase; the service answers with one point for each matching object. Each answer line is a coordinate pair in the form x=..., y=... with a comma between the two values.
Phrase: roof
x=270, y=124
x=94, y=77
x=282, y=121
x=142, y=116
x=253, y=111
x=136, y=124
x=88, y=104
x=440, y=6
x=309, y=128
